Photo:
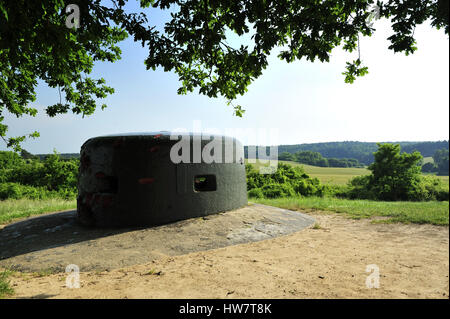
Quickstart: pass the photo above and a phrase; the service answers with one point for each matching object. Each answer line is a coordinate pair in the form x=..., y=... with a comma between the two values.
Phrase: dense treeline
x=316, y=159
x=33, y=178
x=361, y=151
x=427, y=149
x=64, y=156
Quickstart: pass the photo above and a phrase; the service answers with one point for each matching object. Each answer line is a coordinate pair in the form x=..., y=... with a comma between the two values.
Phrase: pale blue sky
x=401, y=99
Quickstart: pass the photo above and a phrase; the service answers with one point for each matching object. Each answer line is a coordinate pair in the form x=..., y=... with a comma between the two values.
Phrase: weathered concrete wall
x=130, y=180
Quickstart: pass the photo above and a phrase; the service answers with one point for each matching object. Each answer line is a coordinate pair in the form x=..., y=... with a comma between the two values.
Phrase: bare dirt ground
x=329, y=262
x=50, y=242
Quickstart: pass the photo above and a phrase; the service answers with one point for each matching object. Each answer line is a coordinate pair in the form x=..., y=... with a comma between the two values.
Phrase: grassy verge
x=12, y=209
x=5, y=288
x=434, y=212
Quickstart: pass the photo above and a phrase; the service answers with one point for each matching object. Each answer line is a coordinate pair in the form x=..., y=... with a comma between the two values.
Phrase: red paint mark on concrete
x=97, y=198
x=157, y=136
x=146, y=180
x=117, y=143
x=100, y=175
x=107, y=200
x=87, y=199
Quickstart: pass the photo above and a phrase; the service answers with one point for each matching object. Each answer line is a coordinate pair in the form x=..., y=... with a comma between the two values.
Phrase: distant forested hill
x=63, y=156
x=362, y=151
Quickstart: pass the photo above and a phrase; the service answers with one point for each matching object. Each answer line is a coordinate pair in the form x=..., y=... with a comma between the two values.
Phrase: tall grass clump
x=5, y=285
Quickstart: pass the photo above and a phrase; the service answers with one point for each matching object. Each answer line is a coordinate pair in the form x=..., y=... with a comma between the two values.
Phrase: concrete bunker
x=150, y=179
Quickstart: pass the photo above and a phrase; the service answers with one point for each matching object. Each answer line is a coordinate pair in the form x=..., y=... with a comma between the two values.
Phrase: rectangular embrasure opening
x=205, y=183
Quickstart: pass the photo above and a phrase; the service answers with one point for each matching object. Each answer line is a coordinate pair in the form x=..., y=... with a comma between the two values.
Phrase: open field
x=326, y=261
x=332, y=175
x=433, y=212
x=13, y=209
x=335, y=175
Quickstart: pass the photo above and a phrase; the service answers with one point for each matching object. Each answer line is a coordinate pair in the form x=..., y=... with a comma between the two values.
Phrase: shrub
x=334, y=190
x=31, y=173
x=359, y=187
x=17, y=191
x=37, y=179
x=422, y=188
x=304, y=187
x=286, y=181
x=60, y=174
x=436, y=189
x=277, y=190
x=9, y=159
x=396, y=176
x=256, y=193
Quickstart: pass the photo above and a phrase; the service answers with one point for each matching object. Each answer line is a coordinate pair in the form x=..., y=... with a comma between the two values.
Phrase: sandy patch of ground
x=329, y=262
x=53, y=241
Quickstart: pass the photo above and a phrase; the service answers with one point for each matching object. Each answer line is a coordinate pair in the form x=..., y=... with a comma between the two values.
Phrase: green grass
x=317, y=226
x=5, y=288
x=332, y=175
x=433, y=212
x=12, y=209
